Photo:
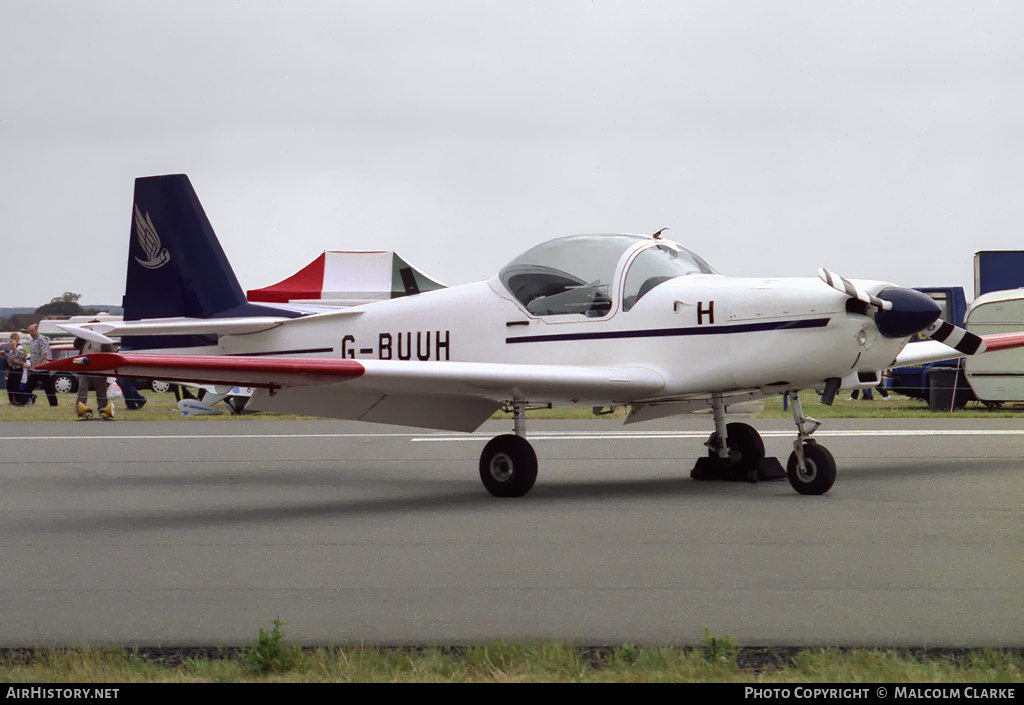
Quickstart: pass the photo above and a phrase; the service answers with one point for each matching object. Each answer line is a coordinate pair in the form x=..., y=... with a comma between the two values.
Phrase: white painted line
x=625, y=435
x=442, y=437
x=218, y=436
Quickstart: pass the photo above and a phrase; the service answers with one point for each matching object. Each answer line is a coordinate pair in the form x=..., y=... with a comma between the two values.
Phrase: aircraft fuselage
x=701, y=333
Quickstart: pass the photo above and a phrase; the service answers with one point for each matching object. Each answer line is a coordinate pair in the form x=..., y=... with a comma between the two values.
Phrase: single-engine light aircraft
x=587, y=320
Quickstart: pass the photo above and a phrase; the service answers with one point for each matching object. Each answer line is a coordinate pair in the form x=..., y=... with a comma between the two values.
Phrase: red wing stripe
x=244, y=371
x=1003, y=341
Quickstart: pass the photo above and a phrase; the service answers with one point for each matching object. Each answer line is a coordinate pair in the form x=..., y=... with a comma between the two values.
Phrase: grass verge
x=505, y=662
x=163, y=407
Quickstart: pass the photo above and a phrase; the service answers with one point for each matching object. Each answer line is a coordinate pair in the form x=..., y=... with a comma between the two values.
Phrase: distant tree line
x=63, y=306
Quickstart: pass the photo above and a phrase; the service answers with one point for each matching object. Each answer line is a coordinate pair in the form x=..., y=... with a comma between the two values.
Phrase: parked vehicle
x=998, y=307
x=999, y=378
x=66, y=383
x=62, y=346
x=920, y=381
x=997, y=270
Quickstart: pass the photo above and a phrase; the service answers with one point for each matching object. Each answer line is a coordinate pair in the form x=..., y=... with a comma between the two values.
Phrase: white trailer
x=997, y=376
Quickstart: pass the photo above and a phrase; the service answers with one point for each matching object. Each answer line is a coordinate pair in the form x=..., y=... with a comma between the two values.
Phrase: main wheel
x=746, y=449
x=508, y=466
x=820, y=472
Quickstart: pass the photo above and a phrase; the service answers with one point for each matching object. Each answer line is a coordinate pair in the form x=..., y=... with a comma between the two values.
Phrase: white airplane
x=587, y=320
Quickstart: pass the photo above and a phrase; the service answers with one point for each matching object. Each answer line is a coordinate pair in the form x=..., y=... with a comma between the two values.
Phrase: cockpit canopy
x=577, y=274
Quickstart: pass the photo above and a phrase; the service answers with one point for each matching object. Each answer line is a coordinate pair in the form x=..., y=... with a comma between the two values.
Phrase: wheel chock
x=707, y=468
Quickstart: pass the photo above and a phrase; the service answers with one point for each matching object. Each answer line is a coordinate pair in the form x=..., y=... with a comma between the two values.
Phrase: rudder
x=176, y=266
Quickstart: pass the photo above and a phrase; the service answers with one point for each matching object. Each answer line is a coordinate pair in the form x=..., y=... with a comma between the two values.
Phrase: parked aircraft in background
x=586, y=320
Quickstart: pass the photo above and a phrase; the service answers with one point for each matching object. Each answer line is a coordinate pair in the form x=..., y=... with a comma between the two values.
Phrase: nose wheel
x=816, y=474
x=811, y=468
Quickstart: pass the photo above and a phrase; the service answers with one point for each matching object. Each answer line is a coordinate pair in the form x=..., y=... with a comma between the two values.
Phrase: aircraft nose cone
x=911, y=312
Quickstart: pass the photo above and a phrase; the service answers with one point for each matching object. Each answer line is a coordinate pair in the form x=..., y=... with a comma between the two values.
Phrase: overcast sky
x=883, y=140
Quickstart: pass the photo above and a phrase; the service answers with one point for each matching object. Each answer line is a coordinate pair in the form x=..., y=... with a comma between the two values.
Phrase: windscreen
x=568, y=275
x=657, y=265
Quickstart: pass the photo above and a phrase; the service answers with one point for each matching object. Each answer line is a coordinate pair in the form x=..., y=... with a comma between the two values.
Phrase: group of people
x=23, y=377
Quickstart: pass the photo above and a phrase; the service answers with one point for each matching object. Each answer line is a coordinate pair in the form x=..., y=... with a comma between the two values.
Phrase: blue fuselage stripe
x=304, y=351
x=672, y=332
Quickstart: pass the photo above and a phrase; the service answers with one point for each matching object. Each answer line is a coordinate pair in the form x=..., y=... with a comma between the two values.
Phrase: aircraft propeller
x=852, y=290
x=902, y=313
x=955, y=337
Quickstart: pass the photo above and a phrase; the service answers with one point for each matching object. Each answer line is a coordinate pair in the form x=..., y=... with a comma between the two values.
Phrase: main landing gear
x=508, y=463
x=736, y=452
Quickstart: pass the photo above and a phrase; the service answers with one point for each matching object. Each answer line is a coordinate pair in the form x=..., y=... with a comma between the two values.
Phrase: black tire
x=746, y=449
x=65, y=383
x=820, y=474
x=508, y=466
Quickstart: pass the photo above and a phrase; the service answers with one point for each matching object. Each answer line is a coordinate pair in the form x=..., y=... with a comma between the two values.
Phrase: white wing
x=446, y=395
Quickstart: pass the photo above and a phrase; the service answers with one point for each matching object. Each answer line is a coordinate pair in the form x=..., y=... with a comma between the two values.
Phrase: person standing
x=133, y=399
x=39, y=352
x=16, y=360
x=96, y=383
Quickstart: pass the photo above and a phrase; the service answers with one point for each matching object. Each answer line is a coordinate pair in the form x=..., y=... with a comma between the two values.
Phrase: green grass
x=506, y=662
x=896, y=407
x=159, y=407
x=163, y=407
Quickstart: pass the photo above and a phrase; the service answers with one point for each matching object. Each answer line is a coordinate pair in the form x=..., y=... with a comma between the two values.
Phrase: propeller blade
x=961, y=340
x=903, y=312
x=852, y=290
x=899, y=312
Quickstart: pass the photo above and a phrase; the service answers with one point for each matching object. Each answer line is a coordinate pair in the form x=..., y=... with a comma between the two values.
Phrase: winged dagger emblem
x=149, y=240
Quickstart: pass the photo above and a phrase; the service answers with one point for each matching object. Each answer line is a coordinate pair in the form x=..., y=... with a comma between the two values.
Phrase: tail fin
x=176, y=266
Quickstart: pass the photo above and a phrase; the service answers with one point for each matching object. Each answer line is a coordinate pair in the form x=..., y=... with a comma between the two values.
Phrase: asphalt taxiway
x=200, y=532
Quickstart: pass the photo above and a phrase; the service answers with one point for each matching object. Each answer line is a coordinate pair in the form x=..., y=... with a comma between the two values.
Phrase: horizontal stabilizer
x=101, y=332
x=85, y=333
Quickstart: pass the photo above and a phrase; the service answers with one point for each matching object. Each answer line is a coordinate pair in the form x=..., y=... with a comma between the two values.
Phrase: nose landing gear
x=736, y=452
x=811, y=468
